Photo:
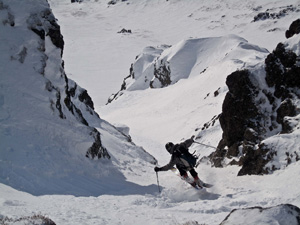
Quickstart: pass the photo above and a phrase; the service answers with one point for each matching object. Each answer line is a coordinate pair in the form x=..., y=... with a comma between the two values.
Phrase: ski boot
x=197, y=183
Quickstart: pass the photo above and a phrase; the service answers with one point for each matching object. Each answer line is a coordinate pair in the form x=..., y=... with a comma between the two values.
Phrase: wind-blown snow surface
x=154, y=116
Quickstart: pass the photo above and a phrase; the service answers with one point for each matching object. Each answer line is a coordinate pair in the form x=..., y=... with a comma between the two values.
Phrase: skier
x=182, y=165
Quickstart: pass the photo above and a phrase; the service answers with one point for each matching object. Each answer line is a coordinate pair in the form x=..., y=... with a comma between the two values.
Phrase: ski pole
x=157, y=182
x=205, y=145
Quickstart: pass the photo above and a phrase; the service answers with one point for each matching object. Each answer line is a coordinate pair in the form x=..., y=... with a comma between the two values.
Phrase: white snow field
x=97, y=57
x=44, y=170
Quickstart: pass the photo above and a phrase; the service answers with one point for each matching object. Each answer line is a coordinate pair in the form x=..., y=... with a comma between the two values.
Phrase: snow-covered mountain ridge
x=49, y=130
x=155, y=68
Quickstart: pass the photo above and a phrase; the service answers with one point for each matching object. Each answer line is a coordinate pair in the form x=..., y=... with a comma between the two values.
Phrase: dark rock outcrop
x=86, y=99
x=282, y=71
x=44, y=24
x=124, y=31
x=210, y=123
x=162, y=74
x=113, y=2
x=240, y=120
x=97, y=150
x=272, y=14
x=235, y=120
x=294, y=29
x=250, y=114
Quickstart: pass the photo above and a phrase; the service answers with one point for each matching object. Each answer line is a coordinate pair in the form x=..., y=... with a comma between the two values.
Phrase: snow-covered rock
x=260, y=109
x=276, y=12
x=49, y=130
x=166, y=65
x=285, y=214
x=34, y=220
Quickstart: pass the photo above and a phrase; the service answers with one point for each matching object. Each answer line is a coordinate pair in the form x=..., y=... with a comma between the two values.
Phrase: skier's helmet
x=169, y=147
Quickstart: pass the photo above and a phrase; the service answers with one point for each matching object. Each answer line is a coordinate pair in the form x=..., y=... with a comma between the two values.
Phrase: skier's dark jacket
x=175, y=158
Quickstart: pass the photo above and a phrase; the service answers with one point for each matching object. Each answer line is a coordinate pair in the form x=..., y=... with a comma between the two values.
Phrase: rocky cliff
x=262, y=104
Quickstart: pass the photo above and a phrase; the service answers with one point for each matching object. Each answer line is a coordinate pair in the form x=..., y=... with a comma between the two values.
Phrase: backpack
x=188, y=159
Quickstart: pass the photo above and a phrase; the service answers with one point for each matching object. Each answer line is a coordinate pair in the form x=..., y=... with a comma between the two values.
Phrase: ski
x=204, y=185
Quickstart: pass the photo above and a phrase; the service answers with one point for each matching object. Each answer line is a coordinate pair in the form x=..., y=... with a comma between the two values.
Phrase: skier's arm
x=169, y=166
x=187, y=143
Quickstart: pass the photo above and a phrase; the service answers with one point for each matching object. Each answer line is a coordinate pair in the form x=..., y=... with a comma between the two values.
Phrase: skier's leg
x=197, y=181
x=184, y=175
x=182, y=172
x=193, y=173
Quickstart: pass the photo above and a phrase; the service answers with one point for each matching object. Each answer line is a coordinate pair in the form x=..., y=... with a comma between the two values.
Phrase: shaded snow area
x=46, y=131
x=67, y=158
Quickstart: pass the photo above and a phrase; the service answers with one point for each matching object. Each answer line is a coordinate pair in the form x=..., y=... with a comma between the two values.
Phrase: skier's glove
x=156, y=169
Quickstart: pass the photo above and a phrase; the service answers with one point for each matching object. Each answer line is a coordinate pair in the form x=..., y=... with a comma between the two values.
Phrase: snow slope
x=178, y=110
x=177, y=204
